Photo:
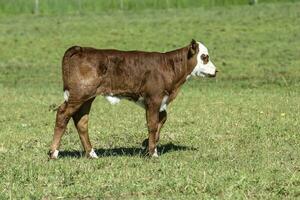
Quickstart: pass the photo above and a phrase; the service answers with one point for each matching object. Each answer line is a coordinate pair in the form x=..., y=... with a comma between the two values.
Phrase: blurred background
x=86, y=6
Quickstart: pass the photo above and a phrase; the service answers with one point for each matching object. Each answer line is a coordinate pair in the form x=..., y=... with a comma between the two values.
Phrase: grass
x=88, y=6
x=234, y=137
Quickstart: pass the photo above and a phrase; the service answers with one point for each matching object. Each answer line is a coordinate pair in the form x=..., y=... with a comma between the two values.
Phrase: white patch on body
x=113, y=100
x=202, y=69
x=55, y=154
x=66, y=95
x=163, y=105
x=93, y=154
x=155, y=154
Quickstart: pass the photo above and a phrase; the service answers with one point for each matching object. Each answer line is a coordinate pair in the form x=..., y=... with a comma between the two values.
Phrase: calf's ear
x=193, y=48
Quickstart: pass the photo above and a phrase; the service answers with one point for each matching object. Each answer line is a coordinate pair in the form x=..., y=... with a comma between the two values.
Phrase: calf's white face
x=204, y=66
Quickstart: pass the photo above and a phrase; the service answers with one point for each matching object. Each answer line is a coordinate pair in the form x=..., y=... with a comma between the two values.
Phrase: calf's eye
x=204, y=58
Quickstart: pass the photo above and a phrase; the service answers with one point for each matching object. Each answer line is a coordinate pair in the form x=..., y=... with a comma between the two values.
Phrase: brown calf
x=150, y=79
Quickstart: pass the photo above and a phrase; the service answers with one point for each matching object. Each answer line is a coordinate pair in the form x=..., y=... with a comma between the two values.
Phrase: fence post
x=121, y=4
x=36, y=8
x=79, y=6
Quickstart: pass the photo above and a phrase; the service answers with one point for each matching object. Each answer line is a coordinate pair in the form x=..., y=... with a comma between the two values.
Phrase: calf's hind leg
x=63, y=115
x=81, y=119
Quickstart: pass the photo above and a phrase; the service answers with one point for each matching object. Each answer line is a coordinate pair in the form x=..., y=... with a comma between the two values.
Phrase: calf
x=150, y=79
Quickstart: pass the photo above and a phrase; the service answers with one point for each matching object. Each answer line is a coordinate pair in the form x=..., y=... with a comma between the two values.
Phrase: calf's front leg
x=161, y=121
x=152, y=116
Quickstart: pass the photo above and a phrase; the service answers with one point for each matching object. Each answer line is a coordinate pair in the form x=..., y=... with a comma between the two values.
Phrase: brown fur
x=88, y=72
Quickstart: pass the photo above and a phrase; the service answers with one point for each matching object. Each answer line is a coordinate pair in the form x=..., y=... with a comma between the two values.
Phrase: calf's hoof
x=53, y=154
x=92, y=154
x=155, y=154
x=152, y=154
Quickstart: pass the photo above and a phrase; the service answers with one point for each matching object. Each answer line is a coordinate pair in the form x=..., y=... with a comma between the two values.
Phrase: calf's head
x=204, y=66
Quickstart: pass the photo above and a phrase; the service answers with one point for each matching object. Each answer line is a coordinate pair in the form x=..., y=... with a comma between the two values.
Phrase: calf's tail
x=66, y=67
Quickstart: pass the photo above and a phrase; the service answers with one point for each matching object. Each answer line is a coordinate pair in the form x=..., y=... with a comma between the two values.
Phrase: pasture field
x=233, y=137
x=87, y=6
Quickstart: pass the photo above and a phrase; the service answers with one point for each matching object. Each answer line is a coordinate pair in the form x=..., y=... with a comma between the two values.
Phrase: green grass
x=234, y=137
x=96, y=6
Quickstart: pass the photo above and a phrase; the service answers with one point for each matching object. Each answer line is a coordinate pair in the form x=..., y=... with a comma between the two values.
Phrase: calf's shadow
x=127, y=151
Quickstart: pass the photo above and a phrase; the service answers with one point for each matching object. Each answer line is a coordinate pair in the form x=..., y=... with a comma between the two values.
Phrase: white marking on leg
x=55, y=154
x=66, y=95
x=93, y=154
x=163, y=105
x=112, y=100
x=155, y=154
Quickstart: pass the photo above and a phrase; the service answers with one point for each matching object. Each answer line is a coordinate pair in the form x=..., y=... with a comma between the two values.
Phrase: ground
x=233, y=137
